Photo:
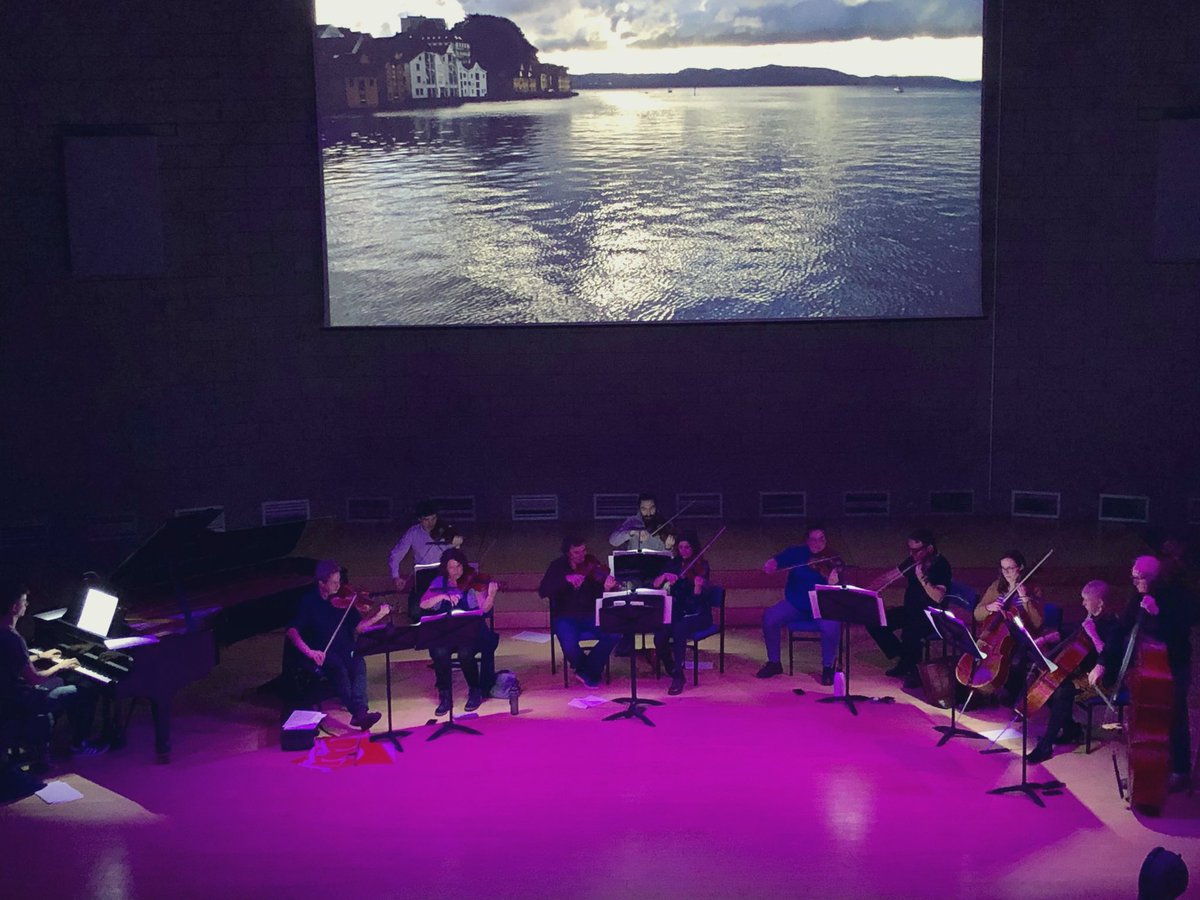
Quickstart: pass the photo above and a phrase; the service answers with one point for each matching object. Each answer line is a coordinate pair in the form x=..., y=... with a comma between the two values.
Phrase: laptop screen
x=97, y=614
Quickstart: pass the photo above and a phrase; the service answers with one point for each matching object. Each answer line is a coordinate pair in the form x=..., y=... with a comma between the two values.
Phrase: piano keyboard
x=103, y=679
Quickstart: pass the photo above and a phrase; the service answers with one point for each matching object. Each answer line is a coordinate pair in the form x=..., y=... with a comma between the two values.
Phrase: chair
x=795, y=634
x=716, y=598
x=1089, y=704
x=301, y=685
x=590, y=637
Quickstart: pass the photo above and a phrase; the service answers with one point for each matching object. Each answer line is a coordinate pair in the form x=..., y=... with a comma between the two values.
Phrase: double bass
x=1148, y=724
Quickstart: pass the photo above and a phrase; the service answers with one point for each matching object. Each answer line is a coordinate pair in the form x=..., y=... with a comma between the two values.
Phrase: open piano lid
x=245, y=581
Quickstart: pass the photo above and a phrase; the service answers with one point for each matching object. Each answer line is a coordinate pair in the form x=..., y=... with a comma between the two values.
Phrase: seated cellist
x=1026, y=600
x=1099, y=626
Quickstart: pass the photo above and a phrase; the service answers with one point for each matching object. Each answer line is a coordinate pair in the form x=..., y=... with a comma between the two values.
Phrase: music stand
x=422, y=577
x=848, y=605
x=387, y=639
x=1038, y=661
x=629, y=613
x=948, y=628
x=453, y=631
x=637, y=568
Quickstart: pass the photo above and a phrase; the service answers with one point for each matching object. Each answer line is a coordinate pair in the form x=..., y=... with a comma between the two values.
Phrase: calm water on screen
x=616, y=206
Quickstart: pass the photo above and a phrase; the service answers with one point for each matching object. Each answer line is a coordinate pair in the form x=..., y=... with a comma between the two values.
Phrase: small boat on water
x=898, y=89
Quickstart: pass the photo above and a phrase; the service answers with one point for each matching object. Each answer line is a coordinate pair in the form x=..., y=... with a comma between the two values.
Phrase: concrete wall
x=216, y=383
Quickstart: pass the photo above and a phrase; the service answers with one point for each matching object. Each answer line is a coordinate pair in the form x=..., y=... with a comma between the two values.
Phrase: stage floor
x=742, y=788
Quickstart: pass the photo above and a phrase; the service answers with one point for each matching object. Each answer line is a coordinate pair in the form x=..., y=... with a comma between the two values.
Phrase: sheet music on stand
x=638, y=567
x=849, y=604
x=636, y=597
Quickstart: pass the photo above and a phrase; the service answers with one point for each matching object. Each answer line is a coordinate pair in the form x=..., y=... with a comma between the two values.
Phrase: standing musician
x=927, y=579
x=324, y=634
x=458, y=586
x=1169, y=613
x=688, y=577
x=807, y=566
x=427, y=540
x=645, y=531
x=571, y=585
x=1098, y=629
x=1025, y=599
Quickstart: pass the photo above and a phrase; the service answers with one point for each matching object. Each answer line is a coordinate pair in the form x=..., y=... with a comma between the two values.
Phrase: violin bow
x=689, y=505
x=1026, y=577
x=698, y=556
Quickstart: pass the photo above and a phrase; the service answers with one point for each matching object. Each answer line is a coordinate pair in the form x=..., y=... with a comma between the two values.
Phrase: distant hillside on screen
x=763, y=76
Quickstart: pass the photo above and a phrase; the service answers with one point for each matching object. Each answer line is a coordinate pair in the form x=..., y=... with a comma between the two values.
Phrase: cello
x=996, y=642
x=1069, y=657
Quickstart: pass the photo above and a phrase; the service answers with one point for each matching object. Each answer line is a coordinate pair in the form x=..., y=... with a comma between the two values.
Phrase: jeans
x=570, y=631
x=783, y=613
x=349, y=678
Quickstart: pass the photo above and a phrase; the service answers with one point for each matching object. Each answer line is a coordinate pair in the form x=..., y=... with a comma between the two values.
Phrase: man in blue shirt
x=807, y=566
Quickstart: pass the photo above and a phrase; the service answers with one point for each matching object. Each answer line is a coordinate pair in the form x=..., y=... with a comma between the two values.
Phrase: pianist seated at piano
x=325, y=636
x=458, y=587
x=31, y=686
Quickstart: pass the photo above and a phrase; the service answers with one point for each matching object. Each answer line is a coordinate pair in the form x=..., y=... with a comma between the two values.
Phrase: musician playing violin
x=458, y=586
x=1098, y=628
x=324, y=635
x=571, y=585
x=1168, y=611
x=426, y=540
x=808, y=565
x=927, y=580
x=645, y=531
x=688, y=578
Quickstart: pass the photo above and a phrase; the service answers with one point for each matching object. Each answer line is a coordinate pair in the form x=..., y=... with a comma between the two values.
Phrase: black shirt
x=316, y=619
x=14, y=657
x=938, y=573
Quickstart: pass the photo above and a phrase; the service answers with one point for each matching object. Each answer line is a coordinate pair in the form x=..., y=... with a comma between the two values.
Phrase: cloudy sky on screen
x=861, y=37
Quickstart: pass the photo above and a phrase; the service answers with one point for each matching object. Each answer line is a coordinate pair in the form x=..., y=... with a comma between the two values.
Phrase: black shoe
x=827, y=676
x=587, y=680
x=676, y=683
x=1039, y=754
x=473, y=700
x=364, y=720
x=1071, y=734
x=769, y=670
x=89, y=748
x=899, y=670
x=444, y=704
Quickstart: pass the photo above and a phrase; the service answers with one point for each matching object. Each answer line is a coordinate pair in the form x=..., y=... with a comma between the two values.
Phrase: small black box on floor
x=300, y=730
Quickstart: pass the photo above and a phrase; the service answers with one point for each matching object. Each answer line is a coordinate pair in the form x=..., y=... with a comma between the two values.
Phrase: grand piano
x=185, y=594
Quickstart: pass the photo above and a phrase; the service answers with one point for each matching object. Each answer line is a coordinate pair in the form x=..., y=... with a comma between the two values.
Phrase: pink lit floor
x=742, y=789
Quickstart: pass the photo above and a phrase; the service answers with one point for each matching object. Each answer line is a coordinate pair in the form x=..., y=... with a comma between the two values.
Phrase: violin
x=364, y=602
x=826, y=565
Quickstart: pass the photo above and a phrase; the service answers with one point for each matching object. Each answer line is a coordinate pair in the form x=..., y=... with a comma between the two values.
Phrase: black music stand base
x=952, y=730
x=636, y=706
x=843, y=665
x=450, y=725
x=1029, y=788
x=392, y=734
